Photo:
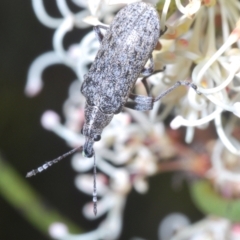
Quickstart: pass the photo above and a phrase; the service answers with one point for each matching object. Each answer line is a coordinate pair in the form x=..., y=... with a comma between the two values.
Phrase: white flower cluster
x=201, y=45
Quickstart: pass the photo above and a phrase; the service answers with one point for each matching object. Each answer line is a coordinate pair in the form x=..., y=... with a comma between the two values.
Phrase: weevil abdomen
x=124, y=51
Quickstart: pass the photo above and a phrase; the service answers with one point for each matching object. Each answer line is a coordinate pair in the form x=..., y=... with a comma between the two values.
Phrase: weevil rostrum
x=125, y=48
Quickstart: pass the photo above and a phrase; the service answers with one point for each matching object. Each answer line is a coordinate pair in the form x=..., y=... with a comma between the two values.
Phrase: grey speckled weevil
x=125, y=48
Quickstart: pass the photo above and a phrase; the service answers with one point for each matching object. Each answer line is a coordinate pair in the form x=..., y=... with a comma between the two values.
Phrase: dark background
x=25, y=144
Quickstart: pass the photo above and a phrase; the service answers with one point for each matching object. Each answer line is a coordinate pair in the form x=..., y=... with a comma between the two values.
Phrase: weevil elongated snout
x=95, y=122
x=88, y=148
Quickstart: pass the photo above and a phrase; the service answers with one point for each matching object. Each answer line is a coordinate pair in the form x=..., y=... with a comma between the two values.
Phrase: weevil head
x=95, y=122
x=88, y=148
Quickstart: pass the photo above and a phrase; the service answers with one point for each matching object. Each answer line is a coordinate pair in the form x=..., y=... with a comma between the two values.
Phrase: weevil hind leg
x=145, y=103
x=176, y=85
x=98, y=32
x=140, y=103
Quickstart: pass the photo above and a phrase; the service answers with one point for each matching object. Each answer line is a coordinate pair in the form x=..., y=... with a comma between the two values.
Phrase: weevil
x=125, y=49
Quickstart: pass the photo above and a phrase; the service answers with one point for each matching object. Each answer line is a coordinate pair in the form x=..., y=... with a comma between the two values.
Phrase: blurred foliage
x=23, y=198
x=210, y=202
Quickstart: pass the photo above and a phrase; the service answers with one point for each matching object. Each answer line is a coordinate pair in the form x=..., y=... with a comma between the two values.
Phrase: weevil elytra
x=125, y=48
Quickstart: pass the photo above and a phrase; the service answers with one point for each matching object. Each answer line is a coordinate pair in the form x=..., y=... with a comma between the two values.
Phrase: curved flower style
x=208, y=228
x=201, y=44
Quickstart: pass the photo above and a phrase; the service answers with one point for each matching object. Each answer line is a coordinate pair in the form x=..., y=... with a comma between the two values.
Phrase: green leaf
x=211, y=202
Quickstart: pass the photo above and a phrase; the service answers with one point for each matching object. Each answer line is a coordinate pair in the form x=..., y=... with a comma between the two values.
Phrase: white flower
x=196, y=47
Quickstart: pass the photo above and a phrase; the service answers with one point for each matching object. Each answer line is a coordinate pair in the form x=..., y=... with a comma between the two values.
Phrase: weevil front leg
x=98, y=32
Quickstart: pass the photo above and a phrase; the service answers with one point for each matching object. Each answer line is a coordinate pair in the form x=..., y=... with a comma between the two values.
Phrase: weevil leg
x=146, y=72
x=144, y=103
x=177, y=84
x=144, y=80
x=145, y=84
x=163, y=31
x=149, y=71
x=137, y=106
x=98, y=32
x=140, y=102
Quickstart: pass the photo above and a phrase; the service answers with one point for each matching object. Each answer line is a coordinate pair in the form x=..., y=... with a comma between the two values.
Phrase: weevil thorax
x=95, y=122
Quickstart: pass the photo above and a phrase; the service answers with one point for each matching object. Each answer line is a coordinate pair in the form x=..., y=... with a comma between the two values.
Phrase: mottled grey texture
x=124, y=51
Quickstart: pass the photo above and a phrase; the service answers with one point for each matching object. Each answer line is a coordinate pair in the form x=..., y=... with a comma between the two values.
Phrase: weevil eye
x=97, y=138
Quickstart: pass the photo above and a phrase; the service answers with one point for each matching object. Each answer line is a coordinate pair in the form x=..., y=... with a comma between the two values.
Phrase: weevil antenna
x=50, y=163
x=94, y=185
